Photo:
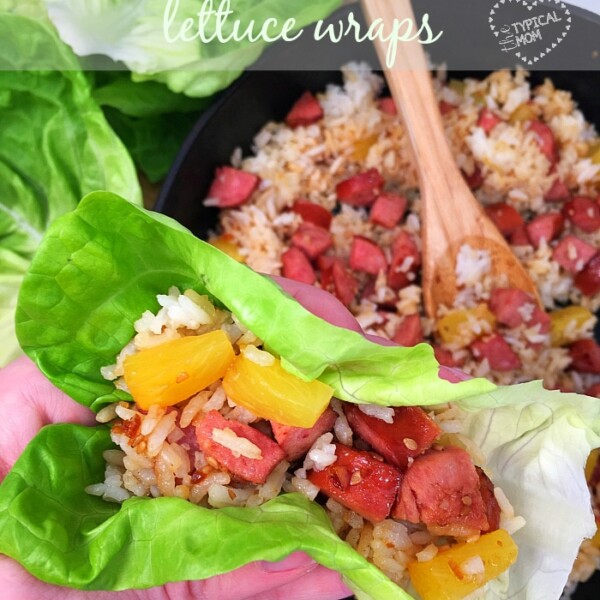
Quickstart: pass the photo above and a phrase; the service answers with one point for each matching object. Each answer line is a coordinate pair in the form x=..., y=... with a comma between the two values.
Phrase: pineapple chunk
x=172, y=372
x=269, y=391
x=457, y=572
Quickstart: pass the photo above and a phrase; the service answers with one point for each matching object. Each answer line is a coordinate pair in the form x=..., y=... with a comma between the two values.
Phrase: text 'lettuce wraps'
x=99, y=272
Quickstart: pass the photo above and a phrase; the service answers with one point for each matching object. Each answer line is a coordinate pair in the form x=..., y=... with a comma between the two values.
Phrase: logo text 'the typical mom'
x=526, y=31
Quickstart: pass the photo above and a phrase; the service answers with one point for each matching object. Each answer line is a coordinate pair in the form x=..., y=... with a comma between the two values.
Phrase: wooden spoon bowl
x=450, y=215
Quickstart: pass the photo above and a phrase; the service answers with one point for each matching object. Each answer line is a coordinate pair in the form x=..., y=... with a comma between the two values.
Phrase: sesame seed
x=356, y=478
x=410, y=443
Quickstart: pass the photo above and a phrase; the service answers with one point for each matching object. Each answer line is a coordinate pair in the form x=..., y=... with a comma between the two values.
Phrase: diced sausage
x=593, y=390
x=296, y=266
x=488, y=119
x=344, y=284
x=446, y=107
x=445, y=357
x=366, y=256
x=588, y=279
x=545, y=227
x=232, y=187
x=545, y=139
x=572, y=254
x=409, y=332
x=387, y=210
x=305, y=111
x=492, y=508
x=558, y=192
x=475, y=179
x=405, y=261
x=583, y=212
x=410, y=434
x=541, y=318
x=513, y=307
x=255, y=470
x=499, y=354
x=442, y=490
x=387, y=105
x=360, y=482
x=585, y=356
x=336, y=278
x=325, y=266
x=312, y=213
x=296, y=441
x=361, y=189
x=506, y=305
x=506, y=218
x=520, y=237
x=312, y=239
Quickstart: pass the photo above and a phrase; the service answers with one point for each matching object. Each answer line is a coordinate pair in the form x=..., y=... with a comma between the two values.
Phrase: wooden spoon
x=450, y=215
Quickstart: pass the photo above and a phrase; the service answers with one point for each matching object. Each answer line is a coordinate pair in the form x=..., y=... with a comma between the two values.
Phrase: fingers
x=297, y=577
x=52, y=406
x=328, y=307
x=453, y=375
x=319, y=584
x=28, y=402
x=320, y=303
x=262, y=581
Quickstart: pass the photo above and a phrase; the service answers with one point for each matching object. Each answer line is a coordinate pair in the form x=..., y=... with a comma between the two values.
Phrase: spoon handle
x=451, y=216
x=410, y=83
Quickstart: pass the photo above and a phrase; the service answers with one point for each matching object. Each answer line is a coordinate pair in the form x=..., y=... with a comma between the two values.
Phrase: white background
x=591, y=5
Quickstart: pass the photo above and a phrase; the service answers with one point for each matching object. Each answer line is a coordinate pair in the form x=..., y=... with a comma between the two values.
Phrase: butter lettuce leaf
x=146, y=36
x=64, y=536
x=101, y=266
x=534, y=443
x=55, y=147
x=151, y=120
x=97, y=270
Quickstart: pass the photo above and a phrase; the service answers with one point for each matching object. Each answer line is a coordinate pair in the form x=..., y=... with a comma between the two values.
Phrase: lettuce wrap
x=97, y=270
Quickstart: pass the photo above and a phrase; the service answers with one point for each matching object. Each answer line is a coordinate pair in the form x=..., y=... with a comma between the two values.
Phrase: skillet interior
x=268, y=91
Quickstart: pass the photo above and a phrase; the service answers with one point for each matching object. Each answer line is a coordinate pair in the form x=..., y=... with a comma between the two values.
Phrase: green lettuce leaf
x=102, y=265
x=534, y=441
x=64, y=536
x=153, y=141
x=151, y=120
x=55, y=147
x=97, y=270
x=135, y=35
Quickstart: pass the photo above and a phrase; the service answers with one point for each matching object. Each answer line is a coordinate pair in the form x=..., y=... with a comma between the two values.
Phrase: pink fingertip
x=452, y=375
x=297, y=561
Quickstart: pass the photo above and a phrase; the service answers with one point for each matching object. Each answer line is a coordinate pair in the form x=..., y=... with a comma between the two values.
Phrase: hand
x=329, y=308
x=28, y=401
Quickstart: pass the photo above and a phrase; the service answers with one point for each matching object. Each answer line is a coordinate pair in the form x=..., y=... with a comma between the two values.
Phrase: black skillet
x=286, y=70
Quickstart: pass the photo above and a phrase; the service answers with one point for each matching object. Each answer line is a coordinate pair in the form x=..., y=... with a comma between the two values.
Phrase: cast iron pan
x=268, y=91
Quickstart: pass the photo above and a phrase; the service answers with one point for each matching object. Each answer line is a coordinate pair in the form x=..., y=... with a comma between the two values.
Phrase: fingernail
x=298, y=561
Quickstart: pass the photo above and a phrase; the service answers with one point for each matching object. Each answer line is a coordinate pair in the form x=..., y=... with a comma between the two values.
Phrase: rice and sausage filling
x=331, y=198
x=401, y=485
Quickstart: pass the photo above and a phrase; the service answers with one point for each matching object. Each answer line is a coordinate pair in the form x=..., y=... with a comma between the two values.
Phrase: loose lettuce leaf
x=55, y=147
x=151, y=120
x=152, y=141
x=116, y=89
x=534, y=441
x=101, y=266
x=64, y=536
x=135, y=34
